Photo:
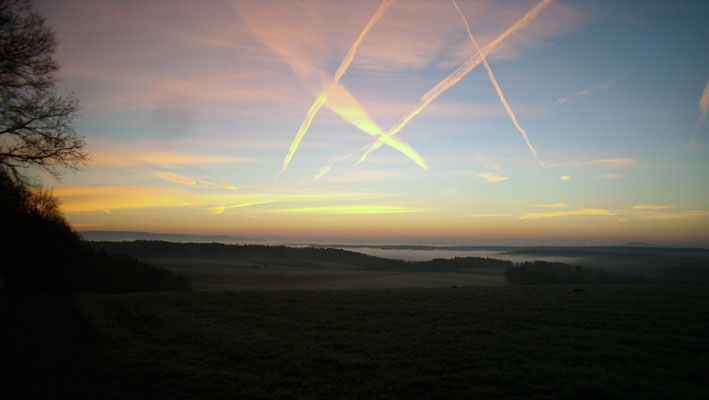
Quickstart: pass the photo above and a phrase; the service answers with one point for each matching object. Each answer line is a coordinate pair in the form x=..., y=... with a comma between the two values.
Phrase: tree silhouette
x=35, y=122
x=40, y=251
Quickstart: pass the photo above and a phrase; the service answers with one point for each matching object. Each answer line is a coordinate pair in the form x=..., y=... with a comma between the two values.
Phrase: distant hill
x=640, y=244
x=169, y=237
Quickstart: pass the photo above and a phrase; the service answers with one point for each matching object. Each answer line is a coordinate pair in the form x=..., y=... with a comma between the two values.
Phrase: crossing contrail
x=497, y=86
x=338, y=74
x=455, y=77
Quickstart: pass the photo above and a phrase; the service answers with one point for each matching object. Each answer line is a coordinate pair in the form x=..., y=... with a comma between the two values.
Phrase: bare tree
x=35, y=122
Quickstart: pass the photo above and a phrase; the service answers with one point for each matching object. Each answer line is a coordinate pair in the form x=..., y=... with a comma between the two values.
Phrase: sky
x=410, y=121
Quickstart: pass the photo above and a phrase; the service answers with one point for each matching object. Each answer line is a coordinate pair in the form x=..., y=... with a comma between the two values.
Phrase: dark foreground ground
x=481, y=342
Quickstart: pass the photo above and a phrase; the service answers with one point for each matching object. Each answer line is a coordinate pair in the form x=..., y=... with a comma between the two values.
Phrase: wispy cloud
x=351, y=209
x=638, y=212
x=566, y=213
x=487, y=163
x=673, y=215
x=125, y=157
x=99, y=198
x=553, y=205
x=169, y=176
x=492, y=177
x=604, y=163
x=221, y=209
x=653, y=206
x=565, y=178
x=585, y=92
x=221, y=184
x=324, y=170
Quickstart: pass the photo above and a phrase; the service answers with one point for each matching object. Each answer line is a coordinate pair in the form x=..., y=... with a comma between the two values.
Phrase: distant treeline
x=290, y=256
x=670, y=269
x=664, y=265
x=544, y=273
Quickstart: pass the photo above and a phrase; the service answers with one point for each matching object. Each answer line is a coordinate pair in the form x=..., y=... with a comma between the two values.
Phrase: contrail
x=455, y=77
x=350, y=54
x=338, y=74
x=342, y=103
x=303, y=128
x=497, y=86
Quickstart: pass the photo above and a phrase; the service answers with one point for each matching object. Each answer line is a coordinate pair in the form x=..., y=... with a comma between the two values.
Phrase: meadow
x=239, y=274
x=265, y=322
x=641, y=341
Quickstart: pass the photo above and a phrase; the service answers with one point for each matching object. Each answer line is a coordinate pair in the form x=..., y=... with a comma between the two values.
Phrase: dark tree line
x=41, y=253
x=544, y=273
x=291, y=256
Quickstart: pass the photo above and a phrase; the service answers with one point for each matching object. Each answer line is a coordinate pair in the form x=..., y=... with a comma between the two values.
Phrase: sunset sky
x=190, y=111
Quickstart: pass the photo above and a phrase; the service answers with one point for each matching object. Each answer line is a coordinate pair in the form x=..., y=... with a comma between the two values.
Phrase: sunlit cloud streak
x=565, y=178
x=704, y=108
x=566, y=213
x=344, y=65
x=133, y=157
x=504, y=102
x=169, y=176
x=653, y=206
x=638, y=212
x=221, y=209
x=95, y=198
x=455, y=77
x=553, y=205
x=221, y=184
x=672, y=215
x=492, y=177
x=353, y=209
x=582, y=93
x=605, y=163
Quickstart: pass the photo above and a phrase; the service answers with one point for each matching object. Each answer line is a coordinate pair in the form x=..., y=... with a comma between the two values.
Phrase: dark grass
x=482, y=342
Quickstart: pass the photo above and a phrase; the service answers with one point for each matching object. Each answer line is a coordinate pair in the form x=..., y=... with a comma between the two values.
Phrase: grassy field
x=241, y=274
x=479, y=342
